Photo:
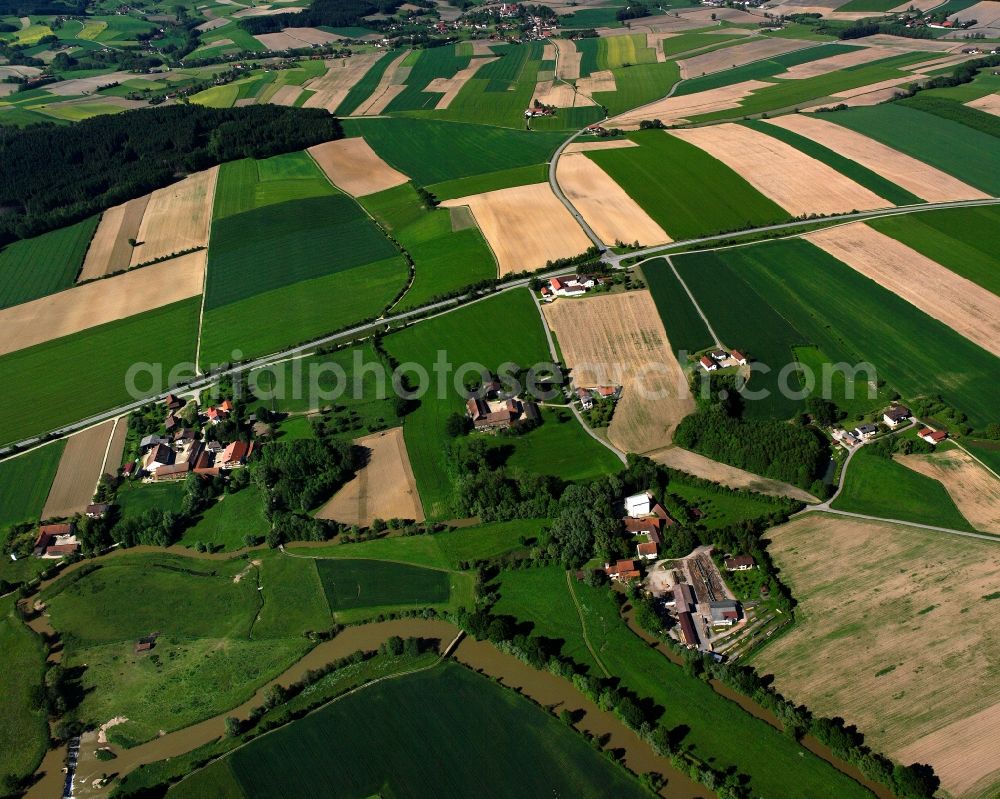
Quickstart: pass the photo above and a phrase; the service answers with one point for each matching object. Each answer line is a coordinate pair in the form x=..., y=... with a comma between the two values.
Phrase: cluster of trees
x=633, y=11
x=55, y=175
x=333, y=13
x=299, y=474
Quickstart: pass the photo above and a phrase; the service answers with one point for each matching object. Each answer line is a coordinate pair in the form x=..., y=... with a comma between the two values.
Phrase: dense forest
x=333, y=13
x=56, y=175
x=24, y=8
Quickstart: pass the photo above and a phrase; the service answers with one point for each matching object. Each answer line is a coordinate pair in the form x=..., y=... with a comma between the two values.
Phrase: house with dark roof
x=97, y=510
x=501, y=413
x=160, y=455
x=689, y=635
x=865, y=431
x=896, y=415
x=740, y=563
x=724, y=613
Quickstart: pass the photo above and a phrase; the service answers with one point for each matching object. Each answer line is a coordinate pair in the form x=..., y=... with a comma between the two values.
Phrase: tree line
x=56, y=175
x=333, y=13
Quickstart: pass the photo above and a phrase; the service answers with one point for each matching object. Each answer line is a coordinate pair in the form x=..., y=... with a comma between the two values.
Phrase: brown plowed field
x=382, y=489
x=610, y=212
x=385, y=91
x=587, y=146
x=80, y=467
x=116, y=448
x=93, y=304
x=964, y=306
x=976, y=491
x=526, y=226
x=450, y=87
x=340, y=77
x=618, y=339
x=990, y=104
x=286, y=95
x=893, y=633
x=795, y=181
x=823, y=66
x=109, y=250
x=177, y=218
x=352, y=165
x=675, y=110
x=567, y=60
x=737, y=55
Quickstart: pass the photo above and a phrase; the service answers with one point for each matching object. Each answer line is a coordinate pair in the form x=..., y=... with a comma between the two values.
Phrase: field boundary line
x=694, y=302
x=903, y=523
x=976, y=459
x=583, y=625
x=444, y=569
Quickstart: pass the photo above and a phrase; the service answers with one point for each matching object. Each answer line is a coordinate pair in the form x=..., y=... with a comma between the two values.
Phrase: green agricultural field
x=24, y=730
x=430, y=63
x=24, y=483
x=696, y=40
x=431, y=151
x=229, y=520
x=962, y=239
x=622, y=51
x=882, y=487
x=859, y=174
x=560, y=447
x=721, y=508
x=956, y=111
x=363, y=89
x=465, y=336
x=322, y=305
x=217, y=96
x=714, y=726
x=867, y=5
x=446, y=550
x=444, y=259
x=637, y=85
x=475, y=723
x=986, y=451
x=247, y=185
x=212, y=652
x=490, y=181
x=686, y=191
x=75, y=112
x=685, y=328
x=367, y=585
x=854, y=320
x=543, y=597
x=32, y=268
x=854, y=395
x=948, y=145
x=73, y=377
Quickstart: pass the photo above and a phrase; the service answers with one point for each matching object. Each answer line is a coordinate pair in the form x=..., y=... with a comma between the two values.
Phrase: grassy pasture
x=695, y=40
x=490, y=181
x=852, y=319
x=859, y=174
x=135, y=498
x=444, y=259
x=350, y=584
x=466, y=336
x=685, y=328
x=231, y=518
x=32, y=268
x=686, y=191
x=211, y=654
x=75, y=376
x=432, y=151
x=944, y=143
x=322, y=305
x=956, y=112
x=881, y=487
x=852, y=395
x=24, y=732
x=962, y=239
x=247, y=185
x=217, y=96
x=433, y=62
x=638, y=84
x=25, y=482
x=445, y=550
x=475, y=723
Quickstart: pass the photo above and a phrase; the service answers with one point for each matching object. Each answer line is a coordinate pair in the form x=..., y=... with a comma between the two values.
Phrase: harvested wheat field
x=618, y=339
x=588, y=146
x=915, y=176
x=603, y=81
x=482, y=47
x=824, y=66
x=795, y=181
x=567, y=60
x=678, y=110
x=693, y=463
x=905, y=43
x=990, y=104
x=560, y=95
x=526, y=226
x=116, y=446
x=549, y=52
x=654, y=41
x=974, y=488
x=340, y=77
x=964, y=306
x=101, y=301
x=110, y=250
x=352, y=165
x=177, y=218
x=872, y=94
x=293, y=38
x=383, y=488
x=386, y=91
x=286, y=95
x=450, y=87
x=737, y=55
x=80, y=467
x=893, y=634
x=610, y=212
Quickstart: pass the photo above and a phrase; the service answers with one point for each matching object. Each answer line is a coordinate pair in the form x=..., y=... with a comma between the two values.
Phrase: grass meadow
x=962, y=239
x=350, y=584
x=482, y=734
x=853, y=319
x=75, y=376
x=944, y=143
x=24, y=730
x=859, y=174
x=25, y=481
x=881, y=487
x=503, y=328
x=232, y=517
x=213, y=650
x=32, y=268
x=685, y=328
x=686, y=191
x=948, y=108
x=432, y=151
x=637, y=85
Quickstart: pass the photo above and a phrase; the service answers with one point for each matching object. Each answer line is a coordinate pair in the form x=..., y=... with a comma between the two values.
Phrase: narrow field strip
x=80, y=467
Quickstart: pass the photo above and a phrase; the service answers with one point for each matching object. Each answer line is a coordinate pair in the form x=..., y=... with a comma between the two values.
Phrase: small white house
x=639, y=504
